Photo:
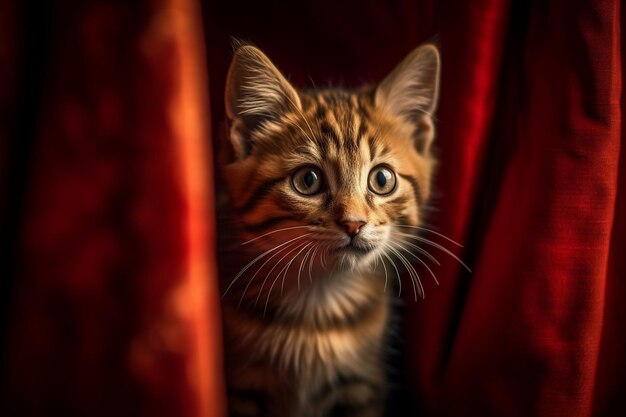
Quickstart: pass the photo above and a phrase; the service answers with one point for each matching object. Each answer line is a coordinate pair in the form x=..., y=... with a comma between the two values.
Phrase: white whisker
x=259, y=270
x=407, y=265
x=311, y=263
x=323, y=258
x=299, y=245
x=416, y=275
x=245, y=268
x=385, y=268
x=282, y=285
x=397, y=274
x=285, y=269
x=303, y=262
x=401, y=247
x=432, y=231
x=438, y=246
x=422, y=251
x=272, y=232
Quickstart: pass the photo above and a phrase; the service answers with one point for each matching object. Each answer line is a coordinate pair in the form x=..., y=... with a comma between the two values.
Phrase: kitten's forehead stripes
x=330, y=134
x=372, y=147
x=335, y=121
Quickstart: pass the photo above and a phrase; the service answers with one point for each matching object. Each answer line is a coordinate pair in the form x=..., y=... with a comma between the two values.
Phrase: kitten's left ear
x=256, y=92
x=411, y=91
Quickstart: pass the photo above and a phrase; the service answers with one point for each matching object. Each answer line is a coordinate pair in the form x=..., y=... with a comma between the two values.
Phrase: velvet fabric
x=109, y=117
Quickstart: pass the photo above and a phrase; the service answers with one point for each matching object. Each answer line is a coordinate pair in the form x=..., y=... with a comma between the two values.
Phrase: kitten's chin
x=351, y=257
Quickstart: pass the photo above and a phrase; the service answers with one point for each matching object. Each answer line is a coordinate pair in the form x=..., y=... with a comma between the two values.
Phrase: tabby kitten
x=326, y=186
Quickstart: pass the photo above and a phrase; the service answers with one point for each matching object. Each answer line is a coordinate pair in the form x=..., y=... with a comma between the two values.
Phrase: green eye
x=382, y=180
x=307, y=180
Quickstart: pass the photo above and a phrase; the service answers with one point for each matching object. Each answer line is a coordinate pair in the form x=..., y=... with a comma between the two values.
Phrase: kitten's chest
x=329, y=329
x=298, y=358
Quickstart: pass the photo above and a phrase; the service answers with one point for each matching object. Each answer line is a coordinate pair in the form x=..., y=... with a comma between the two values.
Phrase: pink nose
x=352, y=227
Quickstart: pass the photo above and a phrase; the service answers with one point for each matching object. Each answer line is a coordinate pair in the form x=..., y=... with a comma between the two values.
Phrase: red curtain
x=108, y=114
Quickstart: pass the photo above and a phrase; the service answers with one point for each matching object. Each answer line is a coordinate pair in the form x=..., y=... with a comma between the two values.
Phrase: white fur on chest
x=314, y=332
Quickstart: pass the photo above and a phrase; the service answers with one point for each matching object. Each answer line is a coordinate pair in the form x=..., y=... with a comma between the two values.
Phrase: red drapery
x=110, y=302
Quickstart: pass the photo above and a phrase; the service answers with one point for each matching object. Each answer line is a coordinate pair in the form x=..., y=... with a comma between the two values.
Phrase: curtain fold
x=115, y=307
x=530, y=323
x=108, y=124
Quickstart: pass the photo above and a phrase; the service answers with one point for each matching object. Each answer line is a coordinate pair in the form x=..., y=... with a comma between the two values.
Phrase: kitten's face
x=335, y=171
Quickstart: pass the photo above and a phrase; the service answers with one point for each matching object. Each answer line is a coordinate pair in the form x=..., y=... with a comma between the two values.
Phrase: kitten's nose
x=352, y=227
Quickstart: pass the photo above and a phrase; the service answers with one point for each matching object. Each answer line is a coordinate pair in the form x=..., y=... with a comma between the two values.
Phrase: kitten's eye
x=382, y=180
x=307, y=180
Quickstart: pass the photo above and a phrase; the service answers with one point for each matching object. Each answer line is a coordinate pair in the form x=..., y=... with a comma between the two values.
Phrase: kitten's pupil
x=309, y=179
x=381, y=178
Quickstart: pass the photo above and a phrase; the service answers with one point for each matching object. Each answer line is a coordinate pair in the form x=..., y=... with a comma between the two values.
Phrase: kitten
x=324, y=187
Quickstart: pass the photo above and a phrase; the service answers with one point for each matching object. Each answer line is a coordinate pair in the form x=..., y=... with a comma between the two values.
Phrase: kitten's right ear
x=411, y=91
x=256, y=92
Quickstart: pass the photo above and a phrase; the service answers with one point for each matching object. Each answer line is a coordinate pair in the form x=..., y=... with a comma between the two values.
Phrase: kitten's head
x=335, y=170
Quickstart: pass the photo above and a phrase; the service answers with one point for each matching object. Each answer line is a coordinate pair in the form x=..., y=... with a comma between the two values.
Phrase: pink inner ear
x=256, y=88
x=238, y=139
x=413, y=86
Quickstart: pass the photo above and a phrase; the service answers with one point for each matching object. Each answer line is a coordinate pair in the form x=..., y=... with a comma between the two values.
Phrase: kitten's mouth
x=352, y=248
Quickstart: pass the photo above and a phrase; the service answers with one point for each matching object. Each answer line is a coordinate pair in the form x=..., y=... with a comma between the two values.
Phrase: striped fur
x=306, y=290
